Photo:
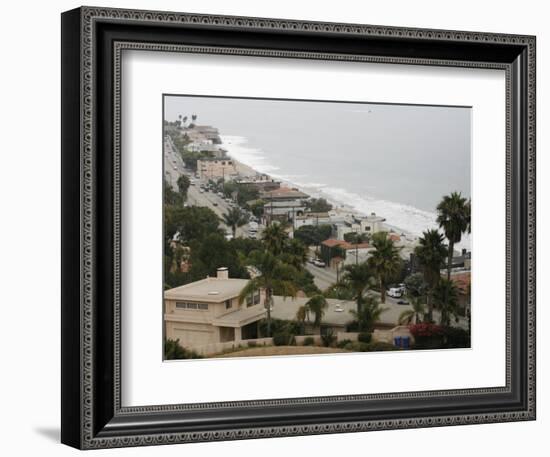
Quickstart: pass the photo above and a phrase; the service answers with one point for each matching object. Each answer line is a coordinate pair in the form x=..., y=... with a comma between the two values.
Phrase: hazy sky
x=401, y=153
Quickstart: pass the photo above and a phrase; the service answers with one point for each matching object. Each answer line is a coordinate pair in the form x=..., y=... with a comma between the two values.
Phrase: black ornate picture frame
x=92, y=41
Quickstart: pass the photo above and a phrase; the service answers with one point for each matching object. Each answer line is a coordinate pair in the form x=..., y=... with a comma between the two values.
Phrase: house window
x=228, y=304
x=188, y=305
x=253, y=298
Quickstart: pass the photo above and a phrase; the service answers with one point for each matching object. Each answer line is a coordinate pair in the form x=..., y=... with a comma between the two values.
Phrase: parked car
x=395, y=292
x=319, y=263
x=402, y=302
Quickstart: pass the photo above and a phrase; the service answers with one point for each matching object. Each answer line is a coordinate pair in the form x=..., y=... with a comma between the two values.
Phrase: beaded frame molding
x=93, y=40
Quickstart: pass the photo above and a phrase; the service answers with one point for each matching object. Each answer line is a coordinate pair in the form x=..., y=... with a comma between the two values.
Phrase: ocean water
x=352, y=189
x=397, y=161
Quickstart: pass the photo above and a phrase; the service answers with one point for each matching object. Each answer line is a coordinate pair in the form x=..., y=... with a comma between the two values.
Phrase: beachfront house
x=311, y=219
x=206, y=315
x=372, y=223
x=283, y=194
x=356, y=224
x=283, y=211
x=262, y=183
x=216, y=168
x=349, y=252
x=283, y=204
x=213, y=149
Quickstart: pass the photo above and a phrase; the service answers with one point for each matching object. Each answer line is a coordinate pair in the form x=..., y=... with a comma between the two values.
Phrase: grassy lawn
x=280, y=350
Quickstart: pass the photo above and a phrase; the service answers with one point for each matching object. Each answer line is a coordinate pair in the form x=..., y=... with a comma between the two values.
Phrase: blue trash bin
x=397, y=341
x=406, y=342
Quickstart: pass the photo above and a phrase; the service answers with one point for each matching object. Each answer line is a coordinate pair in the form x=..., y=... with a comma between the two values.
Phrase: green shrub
x=328, y=338
x=309, y=341
x=284, y=339
x=252, y=344
x=455, y=337
x=353, y=326
x=364, y=337
x=342, y=344
x=174, y=351
x=380, y=346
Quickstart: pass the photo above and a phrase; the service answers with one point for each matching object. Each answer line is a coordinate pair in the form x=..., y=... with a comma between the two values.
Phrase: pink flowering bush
x=426, y=330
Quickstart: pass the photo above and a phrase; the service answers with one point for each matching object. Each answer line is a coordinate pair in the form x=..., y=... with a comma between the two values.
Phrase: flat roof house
x=216, y=168
x=283, y=194
x=205, y=314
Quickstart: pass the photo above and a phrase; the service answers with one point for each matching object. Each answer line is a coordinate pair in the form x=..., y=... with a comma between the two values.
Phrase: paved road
x=173, y=163
x=322, y=277
x=174, y=168
x=216, y=203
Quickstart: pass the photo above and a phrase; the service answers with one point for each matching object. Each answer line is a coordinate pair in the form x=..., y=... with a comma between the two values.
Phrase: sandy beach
x=338, y=207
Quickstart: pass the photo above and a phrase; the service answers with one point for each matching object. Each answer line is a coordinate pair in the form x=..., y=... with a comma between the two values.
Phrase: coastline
x=341, y=199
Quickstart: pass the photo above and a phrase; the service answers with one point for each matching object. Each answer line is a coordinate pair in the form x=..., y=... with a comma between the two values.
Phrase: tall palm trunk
x=234, y=230
x=382, y=291
x=450, y=259
x=430, y=305
x=268, y=307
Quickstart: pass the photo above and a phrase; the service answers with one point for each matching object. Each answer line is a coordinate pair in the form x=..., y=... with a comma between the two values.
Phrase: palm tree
x=301, y=315
x=446, y=297
x=431, y=253
x=274, y=237
x=384, y=261
x=274, y=275
x=317, y=305
x=418, y=309
x=368, y=314
x=295, y=253
x=184, y=120
x=357, y=278
x=235, y=218
x=454, y=218
x=469, y=210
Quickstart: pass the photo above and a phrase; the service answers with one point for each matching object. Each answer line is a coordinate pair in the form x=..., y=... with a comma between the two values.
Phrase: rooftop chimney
x=222, y=273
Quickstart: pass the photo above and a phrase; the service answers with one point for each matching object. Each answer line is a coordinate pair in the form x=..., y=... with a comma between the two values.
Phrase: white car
x=319, y=263
x=395, y=292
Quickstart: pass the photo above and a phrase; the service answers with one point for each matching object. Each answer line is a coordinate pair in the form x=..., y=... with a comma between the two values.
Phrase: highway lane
x=174, y=167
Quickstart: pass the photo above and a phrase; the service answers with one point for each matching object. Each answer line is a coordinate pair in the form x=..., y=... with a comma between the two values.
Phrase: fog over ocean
x=394, y=160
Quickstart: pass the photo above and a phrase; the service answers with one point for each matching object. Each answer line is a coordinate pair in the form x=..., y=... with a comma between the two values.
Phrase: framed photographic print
x=274, y=227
